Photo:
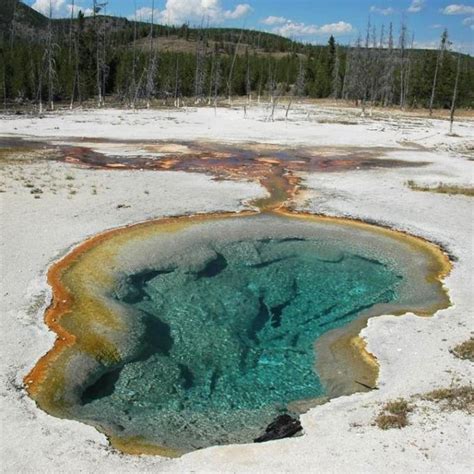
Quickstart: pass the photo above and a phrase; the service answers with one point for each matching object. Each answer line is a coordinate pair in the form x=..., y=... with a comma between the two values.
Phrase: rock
x=284, y=426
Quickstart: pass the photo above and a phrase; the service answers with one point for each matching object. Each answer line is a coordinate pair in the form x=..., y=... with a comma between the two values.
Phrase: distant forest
x=105, y=58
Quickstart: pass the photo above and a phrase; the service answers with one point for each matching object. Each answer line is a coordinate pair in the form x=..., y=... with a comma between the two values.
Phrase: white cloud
x=144, y=14
x=457, y=9
x=382, y=11
x=294, y=29
x=426, y=44
x=463, y=47
x=416, y=6
x=76, y=8
x=436, y=26
x=43, y=6
x=457, y=46
x=274, y=20
x=340, y=27
x=469, y=21
x=240, y=11
x=60, y=8
x=181, y=11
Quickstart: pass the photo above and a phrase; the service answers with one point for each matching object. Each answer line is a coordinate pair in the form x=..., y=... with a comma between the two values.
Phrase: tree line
x=105, y=58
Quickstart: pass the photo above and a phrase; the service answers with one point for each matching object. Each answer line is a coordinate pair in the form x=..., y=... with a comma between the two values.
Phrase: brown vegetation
x=394, y=414
x=442, y=188
x=465, y=350
x=453, y=398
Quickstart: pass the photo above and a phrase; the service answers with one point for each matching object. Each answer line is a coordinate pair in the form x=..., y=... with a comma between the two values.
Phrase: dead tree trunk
x=75, y=80
x=455, y=94
x=439, y=60
x=4, y=90
x=406, y=87
x=199, y=73
x=98, y=28
x=133, y=86
x=288, y=108
x=402, y=45
x=336, y=78
x=71, y=25
x=389, y=68
x=151, y=70
x=248, y=80
x=40, y=85
x=50, y=59
x=231, y=72
x=301, y=79
x=217, y=81
x=211, y=76
x=176, y=83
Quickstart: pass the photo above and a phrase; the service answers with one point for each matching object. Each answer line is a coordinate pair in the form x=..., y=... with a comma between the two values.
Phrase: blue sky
x=305, y=20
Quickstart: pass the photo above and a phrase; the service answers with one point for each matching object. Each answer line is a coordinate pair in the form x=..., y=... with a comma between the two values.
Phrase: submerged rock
x=284, y=426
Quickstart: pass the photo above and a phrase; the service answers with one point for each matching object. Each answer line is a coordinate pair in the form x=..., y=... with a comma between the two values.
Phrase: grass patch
x=394, y=414
x=453, y=398
x=442, y=188
x=465, y=350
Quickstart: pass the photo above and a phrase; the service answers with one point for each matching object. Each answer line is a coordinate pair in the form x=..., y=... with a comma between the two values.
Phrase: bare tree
x=382, y=37
x=216, y=81
x=261, y=85
x=99, y=29
x=71, y=28
x=231, y=72
x=348, y=75
x=455, y=94
x=76, y=73
x=300, y=85
x=152, y=60
x=403, y=62
x=4, y=83
x=211, y=75
x=74, y=57
x=177, y=84
x=365, y=73
x=248, y=79
x=374, y=68
x=336, y=76
x=274, y=91
x=442, y=48
x=406, y=87
x=200, y=72
x=358, y=82
x=271, y=83
x=133, y=83
x=50, y=58
x=388, y=70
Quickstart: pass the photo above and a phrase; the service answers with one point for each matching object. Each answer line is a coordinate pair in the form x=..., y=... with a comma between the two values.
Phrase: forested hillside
x=102, y=57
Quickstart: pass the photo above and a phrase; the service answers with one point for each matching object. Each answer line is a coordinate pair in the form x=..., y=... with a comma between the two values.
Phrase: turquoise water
x=230, y=343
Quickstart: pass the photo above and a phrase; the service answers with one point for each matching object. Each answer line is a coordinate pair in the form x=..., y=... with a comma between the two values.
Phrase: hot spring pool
x=209, y=326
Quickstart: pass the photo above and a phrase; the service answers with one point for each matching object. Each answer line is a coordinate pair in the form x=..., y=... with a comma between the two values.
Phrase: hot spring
x=194, y=332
